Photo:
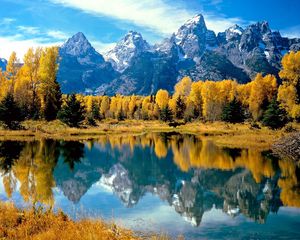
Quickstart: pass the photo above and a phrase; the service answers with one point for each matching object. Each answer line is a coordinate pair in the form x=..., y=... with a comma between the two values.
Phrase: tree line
x=31, y=91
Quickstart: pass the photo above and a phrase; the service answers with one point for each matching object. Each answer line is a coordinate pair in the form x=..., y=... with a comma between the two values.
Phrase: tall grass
x=38, y=224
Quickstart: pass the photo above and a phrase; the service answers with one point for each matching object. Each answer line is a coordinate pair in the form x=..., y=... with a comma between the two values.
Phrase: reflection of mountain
x=193, y=175
x=133, y=169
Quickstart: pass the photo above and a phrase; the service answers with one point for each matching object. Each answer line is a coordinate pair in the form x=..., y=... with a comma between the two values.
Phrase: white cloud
x=7, y=21
x=219, y=24
x=20, y=46
x=102, y=47
x=156, y=15
x=291, y=32
x=57, y=34
x=29, y=29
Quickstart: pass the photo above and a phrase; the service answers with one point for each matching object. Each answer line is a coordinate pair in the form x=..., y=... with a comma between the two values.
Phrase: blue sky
x=28, y=23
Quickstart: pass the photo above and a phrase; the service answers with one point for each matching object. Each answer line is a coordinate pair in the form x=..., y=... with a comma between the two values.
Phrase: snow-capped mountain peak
x=192, y=36
x=198, y=20
x=234, y=32
x=131, y=45
x=77, y=45
x=236, y=29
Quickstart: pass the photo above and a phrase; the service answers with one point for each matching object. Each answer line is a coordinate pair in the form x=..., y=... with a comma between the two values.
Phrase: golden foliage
x=45, y=225
x=289, y=91
x=162, y=98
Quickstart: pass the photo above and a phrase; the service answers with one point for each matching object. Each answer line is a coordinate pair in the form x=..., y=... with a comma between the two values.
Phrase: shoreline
x=38, y=223
x=223, y=134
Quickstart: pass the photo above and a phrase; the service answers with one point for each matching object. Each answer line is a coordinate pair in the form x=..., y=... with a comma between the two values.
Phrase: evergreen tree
x=95, y=110
x=52, y=103
x=166, y=114
x=10, y=113
x=121, y=115
x=94, y=114
x=274, y=117
x=233, y=112
x=72, y=112
x=180, y=107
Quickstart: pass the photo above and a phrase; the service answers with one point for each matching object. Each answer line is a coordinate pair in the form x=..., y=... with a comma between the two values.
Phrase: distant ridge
x=133, y=66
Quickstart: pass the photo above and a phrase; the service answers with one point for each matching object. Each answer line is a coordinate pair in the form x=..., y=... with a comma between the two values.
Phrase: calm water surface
x=177, y=184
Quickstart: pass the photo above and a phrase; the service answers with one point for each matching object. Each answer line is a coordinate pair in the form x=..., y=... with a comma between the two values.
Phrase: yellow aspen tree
x=183, y=88
x=27, y=83
x=211, y=101
x=162, y=98
x=48, y=87
x=11, y=71
x=132, y=106
x=289, y=91
x=104, y=107
x=4, y=85
x=263, y=90
x=196, y=98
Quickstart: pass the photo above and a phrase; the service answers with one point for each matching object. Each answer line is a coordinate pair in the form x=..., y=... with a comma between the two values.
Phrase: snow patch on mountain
x=126, y=50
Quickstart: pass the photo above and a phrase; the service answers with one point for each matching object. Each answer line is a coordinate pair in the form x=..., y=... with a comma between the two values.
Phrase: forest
x=30, y=91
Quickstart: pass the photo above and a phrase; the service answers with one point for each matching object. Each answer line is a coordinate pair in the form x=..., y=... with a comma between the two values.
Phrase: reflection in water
x=191, y=174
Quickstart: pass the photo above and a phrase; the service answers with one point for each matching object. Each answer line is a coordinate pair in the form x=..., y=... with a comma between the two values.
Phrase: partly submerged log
x=289, y=147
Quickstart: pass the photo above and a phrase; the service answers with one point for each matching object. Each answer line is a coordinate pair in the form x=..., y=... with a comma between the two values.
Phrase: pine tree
x=233, y=112
x=95, y=110
x=72, y=112
x=274, y=117
x=166, y=114
x=121, y=115
x=10, y=113
x=180, y=107
x=52, y=102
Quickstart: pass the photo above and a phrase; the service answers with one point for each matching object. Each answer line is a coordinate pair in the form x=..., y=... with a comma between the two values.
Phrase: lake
x=162, y=182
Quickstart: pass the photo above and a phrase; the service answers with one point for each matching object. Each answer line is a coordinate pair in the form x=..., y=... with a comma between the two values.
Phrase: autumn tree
x=104, y=107
x=132, y=106
x=162, y=98
x=27, y=85
x=195, y=99
x=49, y=89
x=183, y=88
x=289, y=91
x=263, y=90
x=11, y=71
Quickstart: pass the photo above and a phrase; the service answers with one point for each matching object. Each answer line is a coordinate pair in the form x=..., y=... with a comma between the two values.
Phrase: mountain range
x=134, y=66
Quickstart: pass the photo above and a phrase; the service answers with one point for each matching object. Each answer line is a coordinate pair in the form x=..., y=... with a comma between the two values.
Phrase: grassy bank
x=32, y=224
x=235, y=135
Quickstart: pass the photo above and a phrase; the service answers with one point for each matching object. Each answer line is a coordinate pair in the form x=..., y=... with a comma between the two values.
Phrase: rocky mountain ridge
x=134, y=66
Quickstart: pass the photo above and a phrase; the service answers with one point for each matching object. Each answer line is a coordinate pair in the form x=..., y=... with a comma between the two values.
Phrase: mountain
x=135, y=67
x=128, y=48
x=3, y=63
x=81, y=68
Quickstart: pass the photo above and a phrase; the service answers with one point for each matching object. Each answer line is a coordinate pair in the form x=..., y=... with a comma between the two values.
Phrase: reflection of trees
x=289, y=183
x=34, y=171
x=9, y=152
x=72, y=152
x=190, y=152
x=190, y=173
x=205, y=154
